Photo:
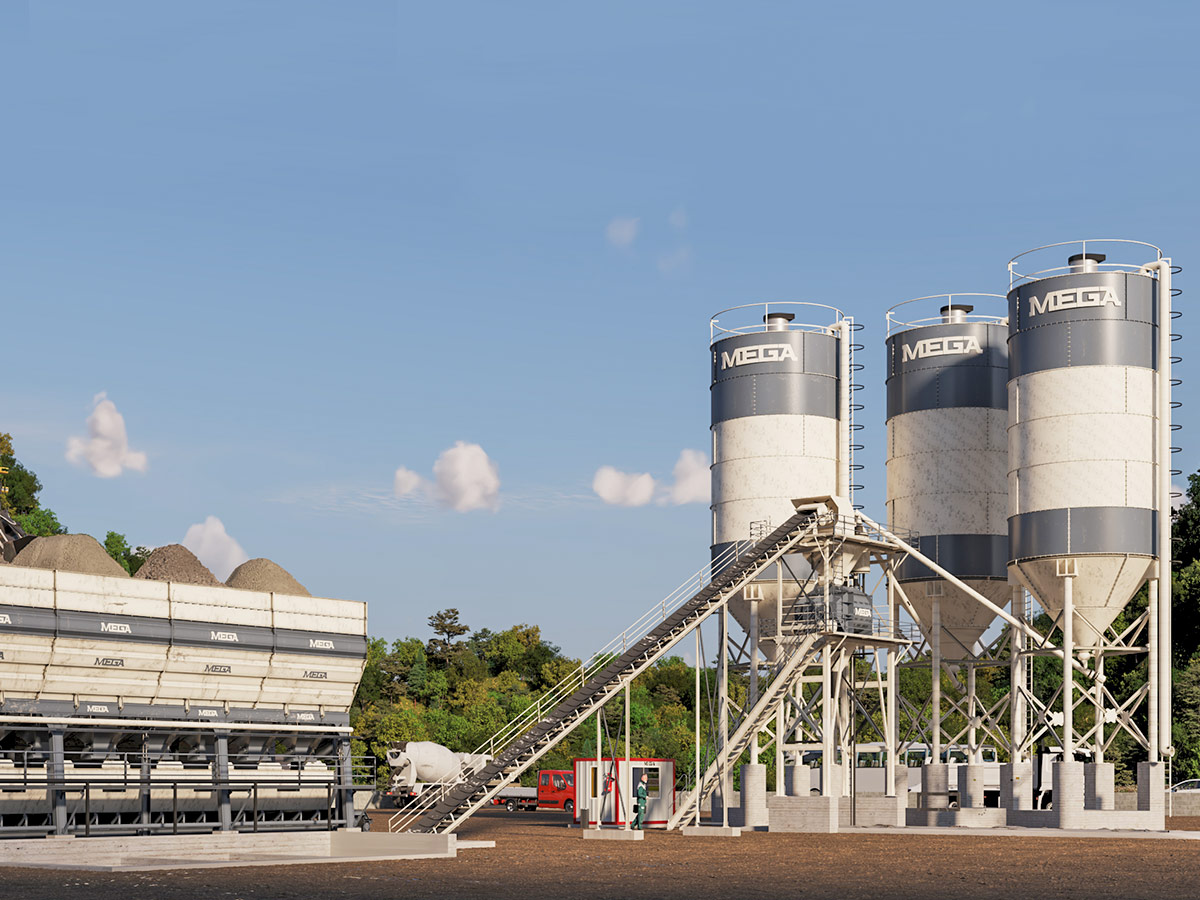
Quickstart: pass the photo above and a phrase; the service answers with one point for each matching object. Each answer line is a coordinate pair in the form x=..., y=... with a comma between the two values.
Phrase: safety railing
x=739, y=319
x=97, y=797
x=959, y=307
x=1092, y=245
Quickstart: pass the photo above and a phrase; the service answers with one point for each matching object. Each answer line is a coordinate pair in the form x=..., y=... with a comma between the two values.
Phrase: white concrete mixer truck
x=419, y=765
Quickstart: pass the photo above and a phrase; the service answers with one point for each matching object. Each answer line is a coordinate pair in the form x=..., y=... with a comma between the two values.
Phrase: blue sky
x=302, y=245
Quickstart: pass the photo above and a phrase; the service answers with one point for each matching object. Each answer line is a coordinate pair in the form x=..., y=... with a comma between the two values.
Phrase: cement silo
x=780, y=428
x=1089, y=444
x=947, y=458
x=1082, y=434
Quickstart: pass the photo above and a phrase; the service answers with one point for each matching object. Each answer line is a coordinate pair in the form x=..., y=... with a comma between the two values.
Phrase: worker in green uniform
x=640, y=819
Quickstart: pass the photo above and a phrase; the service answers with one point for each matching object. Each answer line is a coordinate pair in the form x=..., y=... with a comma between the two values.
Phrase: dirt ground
x=536, y=857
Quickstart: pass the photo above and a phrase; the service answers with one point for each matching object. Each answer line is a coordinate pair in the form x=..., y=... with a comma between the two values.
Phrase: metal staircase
x=757, y=719
x=530, y=736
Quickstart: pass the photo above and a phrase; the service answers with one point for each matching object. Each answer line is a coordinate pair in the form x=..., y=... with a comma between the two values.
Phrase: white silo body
x=778, y=430
x=1083, y=435
x=947, y=457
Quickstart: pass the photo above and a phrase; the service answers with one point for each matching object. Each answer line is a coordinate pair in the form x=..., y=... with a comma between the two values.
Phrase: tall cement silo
x=947, y=457
x=780, y=429
x=1083, y=435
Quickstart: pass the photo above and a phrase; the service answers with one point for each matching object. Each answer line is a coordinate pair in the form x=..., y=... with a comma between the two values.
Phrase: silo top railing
x=1028, y=260
x=741, y=319
x=914, y=316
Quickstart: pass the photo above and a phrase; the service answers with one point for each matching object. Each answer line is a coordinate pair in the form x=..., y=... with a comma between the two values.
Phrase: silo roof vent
x=953, y=315
x=1086, y=262
x=778, y=321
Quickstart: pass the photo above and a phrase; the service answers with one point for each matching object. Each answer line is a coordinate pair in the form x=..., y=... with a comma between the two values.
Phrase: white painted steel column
x=1099, y=699
x=1153, y=724
x=699, y=774
x=972, y=713
x=890, y=729
x=627, y=792
x=780, y=781
x=935, y=659
x=1068, y=674
x=599, y=771
x=827, y=724
x=1016, y=680
x=754, y=671
x=723, y=707
x=843, y=433
x=1165, y=549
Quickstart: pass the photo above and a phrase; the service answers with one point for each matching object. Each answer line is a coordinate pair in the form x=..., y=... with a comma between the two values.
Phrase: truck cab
x=556, y=789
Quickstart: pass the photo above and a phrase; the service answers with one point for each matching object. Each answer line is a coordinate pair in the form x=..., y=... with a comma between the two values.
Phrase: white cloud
x=675, y=260
x=678, y=219
x=106, y=448
x=466, y=478
x=407, y=482
x=622, y=231
x=1181, y=490
x=623, y=488
x=214, y=547
x=693, y=481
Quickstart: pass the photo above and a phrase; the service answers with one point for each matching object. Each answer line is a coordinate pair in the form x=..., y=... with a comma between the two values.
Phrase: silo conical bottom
x=1101, y=590
x=962, y=615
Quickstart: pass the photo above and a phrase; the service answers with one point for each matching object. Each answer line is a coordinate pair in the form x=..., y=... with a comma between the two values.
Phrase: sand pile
x=177, y=563
x=264, y=575
x=69, y=553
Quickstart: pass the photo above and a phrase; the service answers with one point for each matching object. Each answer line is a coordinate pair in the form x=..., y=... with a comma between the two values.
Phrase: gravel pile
x=177, y=563
x=69, y=553
x=264, y=575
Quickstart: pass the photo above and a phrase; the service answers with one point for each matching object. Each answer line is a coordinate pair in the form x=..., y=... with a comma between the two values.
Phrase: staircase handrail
x=596, y=663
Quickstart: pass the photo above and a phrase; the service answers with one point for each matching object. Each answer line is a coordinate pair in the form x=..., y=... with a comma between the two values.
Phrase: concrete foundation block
x=612, y=834
x=754, y=796
x=797, y=780
x=872, y=811
x=1016, y=786
x=803, y=814
x=970, y=786
x=1151, y=784
x=978, y=817
x=710, y=831
x=1067, y=784
x=935, y=786
x=1099, y=786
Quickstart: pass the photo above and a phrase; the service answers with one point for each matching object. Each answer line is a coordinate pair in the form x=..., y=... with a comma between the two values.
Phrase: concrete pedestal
x=1151, y=781
x=935, y=786
x=797, y=780
x=1099, y=786
x=970, y=786
x=612, y=834
x=806, y=814
x=754, y=796
x=1067, y=781
x=1016, y=786
x=710, y=831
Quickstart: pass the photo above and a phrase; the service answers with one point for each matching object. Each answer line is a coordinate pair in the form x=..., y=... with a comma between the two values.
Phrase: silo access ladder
x=521, y=743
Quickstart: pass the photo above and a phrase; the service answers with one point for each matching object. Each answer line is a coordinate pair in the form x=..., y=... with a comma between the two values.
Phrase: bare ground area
x=537, y=857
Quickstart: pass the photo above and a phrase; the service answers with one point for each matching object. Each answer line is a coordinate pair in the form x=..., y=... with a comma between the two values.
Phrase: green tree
x=40, y=522
x=447, y=628
x=23, y=485
x=118, y=548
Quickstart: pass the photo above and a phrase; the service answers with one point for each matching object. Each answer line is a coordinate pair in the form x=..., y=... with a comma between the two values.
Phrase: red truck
x=555, y=790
